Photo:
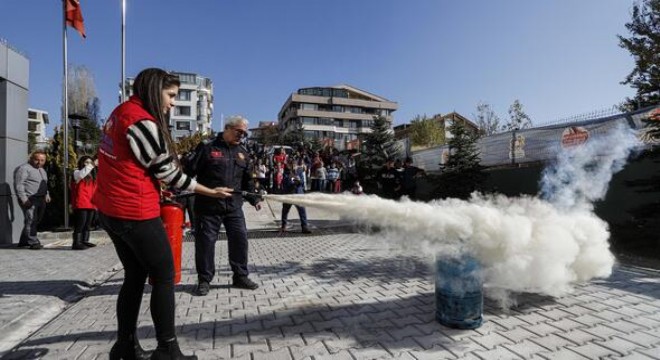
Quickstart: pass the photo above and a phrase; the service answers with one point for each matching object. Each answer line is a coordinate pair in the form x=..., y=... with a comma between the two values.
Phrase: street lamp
x=75, y=124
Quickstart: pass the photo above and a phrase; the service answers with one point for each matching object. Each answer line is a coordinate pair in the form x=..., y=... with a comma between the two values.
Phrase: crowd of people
x=329, y=170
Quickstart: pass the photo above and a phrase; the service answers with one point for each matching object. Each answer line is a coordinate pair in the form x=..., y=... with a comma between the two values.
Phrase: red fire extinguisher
x=171, y=213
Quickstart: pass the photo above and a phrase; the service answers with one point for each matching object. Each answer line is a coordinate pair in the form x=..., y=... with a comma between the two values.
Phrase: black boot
x=85, y=239
x=77, y=242
x=170, y=350
x=129, y=349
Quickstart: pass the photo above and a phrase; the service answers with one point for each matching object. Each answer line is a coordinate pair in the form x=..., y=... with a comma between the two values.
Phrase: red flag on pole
x=74, y=16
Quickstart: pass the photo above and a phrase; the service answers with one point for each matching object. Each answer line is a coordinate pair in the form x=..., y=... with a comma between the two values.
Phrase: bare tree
x=81, y=90
x=82, y=100
x=487, y=120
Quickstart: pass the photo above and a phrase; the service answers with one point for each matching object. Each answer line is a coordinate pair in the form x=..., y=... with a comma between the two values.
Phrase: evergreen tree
x=644, y=46
x=294, y=137
x=54, y=215
x=487, y=120
x=90, y=128
x=518, y=119
x=462, y=174
x=379, y=145
x=315, y=145
x=426, y=132
x=32, y=142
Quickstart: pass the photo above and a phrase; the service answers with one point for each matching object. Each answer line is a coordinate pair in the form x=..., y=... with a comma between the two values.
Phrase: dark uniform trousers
x=207, y=228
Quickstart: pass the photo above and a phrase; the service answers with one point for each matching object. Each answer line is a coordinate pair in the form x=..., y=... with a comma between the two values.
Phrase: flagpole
x=66, y=119
x=123, y=50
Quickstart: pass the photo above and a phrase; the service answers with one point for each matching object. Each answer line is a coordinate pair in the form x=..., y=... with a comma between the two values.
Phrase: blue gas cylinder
x=458, y=292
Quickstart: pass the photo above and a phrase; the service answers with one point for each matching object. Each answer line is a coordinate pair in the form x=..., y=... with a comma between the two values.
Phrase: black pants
x=82, y=220
x=143, y=249
x=206, y=233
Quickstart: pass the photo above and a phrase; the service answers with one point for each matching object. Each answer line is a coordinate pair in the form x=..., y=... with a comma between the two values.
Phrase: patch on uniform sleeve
x=216, y=154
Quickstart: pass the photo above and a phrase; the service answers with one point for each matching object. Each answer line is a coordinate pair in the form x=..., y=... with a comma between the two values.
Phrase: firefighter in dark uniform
x=223, y=162
x=389, y=180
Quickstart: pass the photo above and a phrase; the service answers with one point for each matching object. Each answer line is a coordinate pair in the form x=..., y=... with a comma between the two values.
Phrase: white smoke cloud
x=581, y=175
x=524, y=244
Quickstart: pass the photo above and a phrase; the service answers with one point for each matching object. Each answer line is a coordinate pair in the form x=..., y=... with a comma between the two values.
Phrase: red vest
x=81, y=194
x=125, y=189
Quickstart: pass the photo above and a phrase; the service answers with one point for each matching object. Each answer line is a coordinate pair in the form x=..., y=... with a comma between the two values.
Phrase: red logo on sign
x=574, y=136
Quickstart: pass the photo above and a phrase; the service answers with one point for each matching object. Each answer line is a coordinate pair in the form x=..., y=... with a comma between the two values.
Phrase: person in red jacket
x=135, y=155
x=82, y=189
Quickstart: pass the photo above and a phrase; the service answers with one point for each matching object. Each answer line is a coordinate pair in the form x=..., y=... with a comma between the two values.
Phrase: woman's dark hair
x=81, y=165
x=148, y=86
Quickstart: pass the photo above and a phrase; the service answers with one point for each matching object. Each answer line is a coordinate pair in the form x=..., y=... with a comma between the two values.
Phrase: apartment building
x=193, y=111
x=37, y=120
x=337, y=115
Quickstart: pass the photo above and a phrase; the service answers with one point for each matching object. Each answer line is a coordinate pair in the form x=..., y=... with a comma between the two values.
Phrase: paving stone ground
x=341, y=295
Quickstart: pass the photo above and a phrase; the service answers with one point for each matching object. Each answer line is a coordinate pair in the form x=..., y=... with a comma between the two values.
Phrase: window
x=305, y=106
x=340, y=93
x=182, y=110
x=309, y=120
x=339, y=123
x=337, y=108
x=327, y=92
x=184, y=95
x=32, y=114
x=353, y=124
x=326, y=121
x=32, y=126
x=183, y=125
x=187, y=78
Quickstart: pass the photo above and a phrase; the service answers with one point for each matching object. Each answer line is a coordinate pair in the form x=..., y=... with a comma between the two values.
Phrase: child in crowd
x=356, y=189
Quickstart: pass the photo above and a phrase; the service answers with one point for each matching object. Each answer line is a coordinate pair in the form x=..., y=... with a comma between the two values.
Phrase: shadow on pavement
x=58, y=288
x=384, y=270
x=384, y=322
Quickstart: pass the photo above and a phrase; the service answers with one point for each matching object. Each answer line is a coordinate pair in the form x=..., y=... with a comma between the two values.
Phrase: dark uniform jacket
x=390, y=180
x=216, y=165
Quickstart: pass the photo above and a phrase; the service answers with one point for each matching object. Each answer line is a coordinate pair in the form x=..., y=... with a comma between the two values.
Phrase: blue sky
x=559, y=58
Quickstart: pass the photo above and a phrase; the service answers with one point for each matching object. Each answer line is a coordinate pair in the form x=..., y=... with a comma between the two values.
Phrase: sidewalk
x=329, y=295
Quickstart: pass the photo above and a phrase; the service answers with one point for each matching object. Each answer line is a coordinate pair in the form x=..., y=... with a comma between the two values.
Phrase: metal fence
x=540, y=144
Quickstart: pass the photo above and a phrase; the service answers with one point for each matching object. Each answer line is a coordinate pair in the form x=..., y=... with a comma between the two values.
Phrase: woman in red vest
x=135, y=155
x=82, y=189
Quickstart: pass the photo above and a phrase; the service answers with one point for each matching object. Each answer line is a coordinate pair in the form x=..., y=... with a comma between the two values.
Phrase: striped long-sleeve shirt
x=151, y=151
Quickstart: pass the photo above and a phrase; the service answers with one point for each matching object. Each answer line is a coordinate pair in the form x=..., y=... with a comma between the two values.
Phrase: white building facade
x=336, y=115
x=37, y=120
x=193, y=111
